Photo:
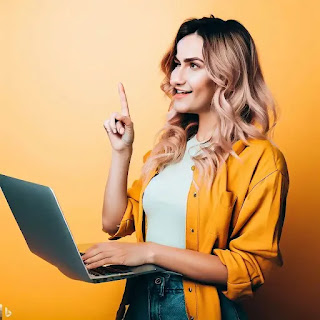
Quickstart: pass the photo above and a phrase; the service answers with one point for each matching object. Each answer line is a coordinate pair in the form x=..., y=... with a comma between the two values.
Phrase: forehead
x=190, y=46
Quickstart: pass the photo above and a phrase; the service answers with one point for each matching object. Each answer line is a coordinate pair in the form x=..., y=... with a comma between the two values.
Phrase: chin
x=182, y=108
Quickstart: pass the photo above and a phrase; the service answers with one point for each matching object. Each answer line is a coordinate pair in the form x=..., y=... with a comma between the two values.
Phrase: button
x=192, y=168
x=157, y=281
x=190, y=289
x=192, y=230
x=195, y=194
x=192, y=318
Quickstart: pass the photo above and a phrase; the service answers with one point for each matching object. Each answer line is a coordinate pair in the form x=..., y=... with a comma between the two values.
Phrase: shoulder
x=262, y=157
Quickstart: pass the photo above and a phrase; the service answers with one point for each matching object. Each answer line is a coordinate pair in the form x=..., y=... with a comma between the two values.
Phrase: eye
x=176, y=63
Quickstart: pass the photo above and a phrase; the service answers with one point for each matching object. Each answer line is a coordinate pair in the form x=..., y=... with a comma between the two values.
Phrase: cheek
x=204, y=92
x=202, y=85
x=203, y=95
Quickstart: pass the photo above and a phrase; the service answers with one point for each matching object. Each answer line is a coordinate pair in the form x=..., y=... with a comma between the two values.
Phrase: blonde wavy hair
x=241, y=100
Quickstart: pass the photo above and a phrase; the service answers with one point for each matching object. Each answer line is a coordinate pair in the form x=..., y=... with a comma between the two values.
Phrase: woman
x=210, y=202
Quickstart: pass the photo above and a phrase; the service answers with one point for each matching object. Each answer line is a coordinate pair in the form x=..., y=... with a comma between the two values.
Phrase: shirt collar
x=240, y=145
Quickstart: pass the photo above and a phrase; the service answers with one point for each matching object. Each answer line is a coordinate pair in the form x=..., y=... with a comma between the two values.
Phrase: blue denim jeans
x=231, y=310
x=157, y=296
x=160, y=296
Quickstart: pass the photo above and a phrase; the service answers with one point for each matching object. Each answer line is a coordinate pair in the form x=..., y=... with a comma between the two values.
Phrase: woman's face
x=191, y=76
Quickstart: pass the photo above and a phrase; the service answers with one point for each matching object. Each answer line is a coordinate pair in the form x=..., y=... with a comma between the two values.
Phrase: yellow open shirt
x=240, y=220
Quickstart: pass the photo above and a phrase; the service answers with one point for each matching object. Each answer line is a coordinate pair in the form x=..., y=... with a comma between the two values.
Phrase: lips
x=181, y=95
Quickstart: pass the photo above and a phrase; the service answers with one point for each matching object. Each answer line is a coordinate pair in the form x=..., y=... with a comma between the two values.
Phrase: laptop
x=47, y=234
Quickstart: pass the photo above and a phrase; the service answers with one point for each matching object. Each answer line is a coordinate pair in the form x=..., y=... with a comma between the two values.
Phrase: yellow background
x=60, y=65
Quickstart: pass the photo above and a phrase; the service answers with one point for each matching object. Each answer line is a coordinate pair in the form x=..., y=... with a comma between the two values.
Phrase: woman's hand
x=119, y=253
x=119, y=126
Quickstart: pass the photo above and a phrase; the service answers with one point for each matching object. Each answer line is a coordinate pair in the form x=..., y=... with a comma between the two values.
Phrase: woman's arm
x=254, y=250
x=192, y=264
x=115, y=196
x=132, y=195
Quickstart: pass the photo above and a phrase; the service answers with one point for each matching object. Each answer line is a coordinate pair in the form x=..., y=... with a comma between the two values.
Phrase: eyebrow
x=189, y=59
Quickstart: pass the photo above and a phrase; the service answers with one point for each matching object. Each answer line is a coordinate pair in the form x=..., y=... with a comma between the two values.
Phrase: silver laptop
x=45, y=229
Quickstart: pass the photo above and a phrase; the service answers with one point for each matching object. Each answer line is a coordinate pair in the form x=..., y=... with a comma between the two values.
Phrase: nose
x=177, y=77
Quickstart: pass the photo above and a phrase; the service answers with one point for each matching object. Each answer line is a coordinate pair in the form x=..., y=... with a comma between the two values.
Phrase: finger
x=98, y=256
x=90, y=253
x=126, y=120
x=120, y=127
x=123, y=100
x=107, y=126
x=98, y=263
x=112, y=122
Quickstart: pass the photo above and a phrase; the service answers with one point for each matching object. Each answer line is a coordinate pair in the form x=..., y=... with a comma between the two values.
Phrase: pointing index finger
x=123, y=100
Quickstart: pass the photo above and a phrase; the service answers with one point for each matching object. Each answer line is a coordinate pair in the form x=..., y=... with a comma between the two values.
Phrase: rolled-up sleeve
x=254, y=250
x=127, y=226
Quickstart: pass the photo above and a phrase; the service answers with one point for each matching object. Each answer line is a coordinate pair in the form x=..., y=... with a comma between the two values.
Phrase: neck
x=207, y=124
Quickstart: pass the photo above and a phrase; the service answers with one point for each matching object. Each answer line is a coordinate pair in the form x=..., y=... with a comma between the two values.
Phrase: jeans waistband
x=165, y=275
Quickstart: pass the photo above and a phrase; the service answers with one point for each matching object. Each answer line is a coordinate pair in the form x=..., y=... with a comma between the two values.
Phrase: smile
x=181, y=95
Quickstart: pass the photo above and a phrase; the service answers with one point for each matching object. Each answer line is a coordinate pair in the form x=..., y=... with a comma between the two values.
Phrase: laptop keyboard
x=115, y=268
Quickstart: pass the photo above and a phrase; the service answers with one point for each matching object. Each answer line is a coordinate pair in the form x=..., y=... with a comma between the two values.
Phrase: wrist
x=150, y=252
x=124, y=154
